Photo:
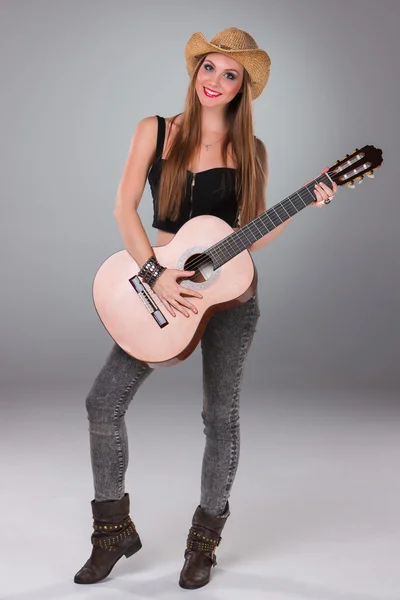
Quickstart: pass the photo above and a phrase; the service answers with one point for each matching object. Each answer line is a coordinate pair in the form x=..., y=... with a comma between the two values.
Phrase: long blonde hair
x=250, y=176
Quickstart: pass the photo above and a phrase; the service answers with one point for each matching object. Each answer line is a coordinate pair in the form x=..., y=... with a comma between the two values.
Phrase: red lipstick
x=213, y=93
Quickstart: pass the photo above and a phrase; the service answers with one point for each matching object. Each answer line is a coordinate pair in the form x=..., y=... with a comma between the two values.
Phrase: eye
x=232, y=76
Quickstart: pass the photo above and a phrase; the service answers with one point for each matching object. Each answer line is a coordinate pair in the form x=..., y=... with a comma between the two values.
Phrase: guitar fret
x=256, y=225
x=299, y=201
x=273, y=215
x=267, y=221
x=310, y=192
x=282, y=209
x=290, y=207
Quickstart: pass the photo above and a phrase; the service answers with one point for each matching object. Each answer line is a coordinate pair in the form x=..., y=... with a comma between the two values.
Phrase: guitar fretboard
x=241, y=239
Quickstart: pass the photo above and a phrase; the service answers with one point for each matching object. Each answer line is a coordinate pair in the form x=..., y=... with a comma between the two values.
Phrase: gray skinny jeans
x=225, y=344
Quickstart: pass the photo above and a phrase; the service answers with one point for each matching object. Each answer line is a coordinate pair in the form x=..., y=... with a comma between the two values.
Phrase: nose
x=214, y=82
x=213, y=85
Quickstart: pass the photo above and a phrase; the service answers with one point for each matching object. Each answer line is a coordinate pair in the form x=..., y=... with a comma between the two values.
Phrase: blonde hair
x=250, y=176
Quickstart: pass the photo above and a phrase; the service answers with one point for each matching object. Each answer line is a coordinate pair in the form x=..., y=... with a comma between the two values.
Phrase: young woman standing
x=205, y=160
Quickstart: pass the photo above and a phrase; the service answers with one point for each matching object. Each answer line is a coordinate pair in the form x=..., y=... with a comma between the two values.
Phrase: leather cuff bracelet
x=151, y=271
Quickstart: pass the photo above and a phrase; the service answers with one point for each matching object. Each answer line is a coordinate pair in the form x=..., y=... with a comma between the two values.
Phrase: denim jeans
x=225, y=344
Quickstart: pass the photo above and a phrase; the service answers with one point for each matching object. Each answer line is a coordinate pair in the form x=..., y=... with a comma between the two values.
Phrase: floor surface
x=314, y=507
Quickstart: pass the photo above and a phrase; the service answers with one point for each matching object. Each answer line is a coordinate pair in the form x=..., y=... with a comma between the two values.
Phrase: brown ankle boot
x=203, y=539
x=114, y=535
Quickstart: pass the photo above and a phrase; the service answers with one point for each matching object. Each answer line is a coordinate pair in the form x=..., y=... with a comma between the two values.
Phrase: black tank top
x=210, y=192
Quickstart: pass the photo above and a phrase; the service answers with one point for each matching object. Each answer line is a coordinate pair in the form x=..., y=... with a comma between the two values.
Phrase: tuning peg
x=351, y=184
x=370, y=174
x=356, y=150
x=345, y=156
x=359, y=179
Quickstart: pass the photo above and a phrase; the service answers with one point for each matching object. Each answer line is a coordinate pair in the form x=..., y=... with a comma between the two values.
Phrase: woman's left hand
x=323, y=192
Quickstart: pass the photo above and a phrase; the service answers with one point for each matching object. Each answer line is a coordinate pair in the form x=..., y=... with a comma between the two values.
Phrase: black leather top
x=213, y=192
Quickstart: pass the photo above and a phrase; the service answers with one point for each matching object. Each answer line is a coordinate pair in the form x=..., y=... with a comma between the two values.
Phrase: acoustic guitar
x=225, y=273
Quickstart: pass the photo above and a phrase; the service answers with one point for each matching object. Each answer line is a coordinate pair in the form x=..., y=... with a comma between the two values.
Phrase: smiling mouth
x=210, y=93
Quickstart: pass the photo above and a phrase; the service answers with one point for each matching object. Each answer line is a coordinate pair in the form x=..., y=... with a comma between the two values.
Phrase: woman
x=211, y=163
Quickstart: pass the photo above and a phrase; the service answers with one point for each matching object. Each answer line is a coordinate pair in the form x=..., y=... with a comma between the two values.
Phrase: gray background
x=315, y=501
x=76, y=79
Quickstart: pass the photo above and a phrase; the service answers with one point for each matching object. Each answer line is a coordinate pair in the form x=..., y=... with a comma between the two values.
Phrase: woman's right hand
x=169, y=291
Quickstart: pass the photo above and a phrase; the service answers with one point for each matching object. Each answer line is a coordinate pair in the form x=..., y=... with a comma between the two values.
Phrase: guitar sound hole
x=202, y=264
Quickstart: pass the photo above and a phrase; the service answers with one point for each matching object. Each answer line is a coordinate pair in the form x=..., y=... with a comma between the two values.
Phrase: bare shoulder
x=145, y=133
x=140, y=157
x=144, y=142
x=262, y=154
x=147, y=123
x=261, y=149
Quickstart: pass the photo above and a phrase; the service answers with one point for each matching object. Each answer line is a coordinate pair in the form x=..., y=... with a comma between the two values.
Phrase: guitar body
x=127, y=307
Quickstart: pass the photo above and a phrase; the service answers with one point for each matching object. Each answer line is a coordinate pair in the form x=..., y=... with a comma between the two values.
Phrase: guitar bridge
x=148, y=301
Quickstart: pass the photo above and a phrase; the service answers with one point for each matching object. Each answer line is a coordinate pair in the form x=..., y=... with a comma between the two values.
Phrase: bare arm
x=130, y=190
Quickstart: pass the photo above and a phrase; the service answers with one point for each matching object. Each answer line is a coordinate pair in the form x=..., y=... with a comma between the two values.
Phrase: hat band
x=223, y=47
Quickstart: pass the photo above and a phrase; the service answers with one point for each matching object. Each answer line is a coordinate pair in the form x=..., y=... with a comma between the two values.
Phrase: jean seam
x=116, y=419
x=236, y=390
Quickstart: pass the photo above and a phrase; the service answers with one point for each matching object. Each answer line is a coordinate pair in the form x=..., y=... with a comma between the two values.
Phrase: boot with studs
x=203, y=538
x=114, y=536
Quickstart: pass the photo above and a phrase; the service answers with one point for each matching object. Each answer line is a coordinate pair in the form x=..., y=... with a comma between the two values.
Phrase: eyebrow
x=210, y=61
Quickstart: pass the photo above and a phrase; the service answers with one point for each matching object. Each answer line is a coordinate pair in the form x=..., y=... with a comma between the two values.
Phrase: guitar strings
x=202, y=261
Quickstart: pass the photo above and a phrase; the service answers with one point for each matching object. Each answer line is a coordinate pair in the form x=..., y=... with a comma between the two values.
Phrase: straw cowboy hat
x=239, y=45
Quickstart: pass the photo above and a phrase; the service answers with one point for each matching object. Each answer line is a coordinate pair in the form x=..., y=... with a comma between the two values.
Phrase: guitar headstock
x=354, y=166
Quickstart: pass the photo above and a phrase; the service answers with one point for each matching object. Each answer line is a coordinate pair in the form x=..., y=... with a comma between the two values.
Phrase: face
x=218, y=73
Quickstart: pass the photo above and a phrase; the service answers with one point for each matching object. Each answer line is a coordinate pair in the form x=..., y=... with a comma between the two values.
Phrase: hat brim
x=256, y=61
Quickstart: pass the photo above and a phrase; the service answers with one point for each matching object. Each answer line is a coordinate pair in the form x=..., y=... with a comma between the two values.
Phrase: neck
x=213, y=120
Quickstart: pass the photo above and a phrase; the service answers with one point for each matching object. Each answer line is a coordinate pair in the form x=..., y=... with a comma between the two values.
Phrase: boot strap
x=201, y=543
x=111, y=527
x=200, y=547
x=198, y=536
x=112, y=534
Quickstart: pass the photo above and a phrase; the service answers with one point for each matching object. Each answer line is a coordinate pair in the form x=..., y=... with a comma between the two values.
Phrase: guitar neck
x=244, y=237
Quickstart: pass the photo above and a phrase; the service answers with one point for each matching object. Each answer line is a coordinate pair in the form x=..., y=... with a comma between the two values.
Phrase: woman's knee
x=222, y=426
x=115, y=385
x=99, y=401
